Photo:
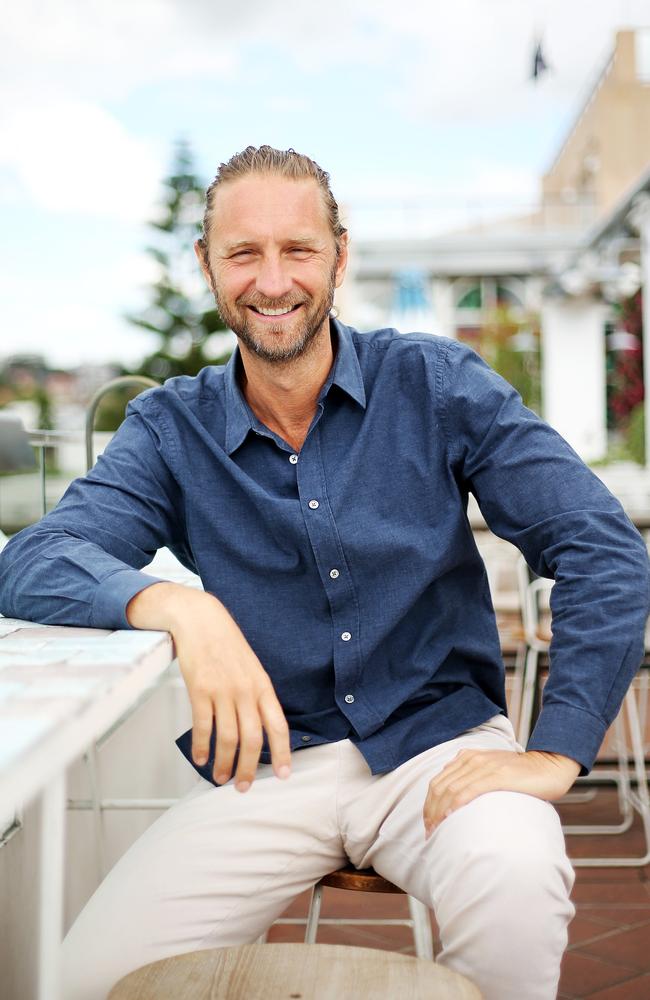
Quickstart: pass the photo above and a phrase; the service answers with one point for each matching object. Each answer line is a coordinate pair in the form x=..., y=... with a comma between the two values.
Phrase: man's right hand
x=224, y=678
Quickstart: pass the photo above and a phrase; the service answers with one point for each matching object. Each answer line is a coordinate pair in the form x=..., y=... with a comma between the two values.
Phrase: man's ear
x=201, y=252
x=342, y=259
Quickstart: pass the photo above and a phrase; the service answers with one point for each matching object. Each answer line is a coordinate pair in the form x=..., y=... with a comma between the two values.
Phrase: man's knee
x=508, y=847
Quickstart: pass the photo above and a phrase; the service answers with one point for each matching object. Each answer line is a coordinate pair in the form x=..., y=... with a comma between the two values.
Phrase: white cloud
x=73, y=156
x=105, y=50
x=472, y=60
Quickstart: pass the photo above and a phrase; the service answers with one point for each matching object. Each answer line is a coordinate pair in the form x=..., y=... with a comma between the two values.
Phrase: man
x=318, y=484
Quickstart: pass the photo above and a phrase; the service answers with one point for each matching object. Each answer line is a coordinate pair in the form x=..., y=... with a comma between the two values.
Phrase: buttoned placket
x=337, y=582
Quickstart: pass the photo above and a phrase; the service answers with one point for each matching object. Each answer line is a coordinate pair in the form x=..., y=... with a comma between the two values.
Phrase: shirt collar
x=345, y=373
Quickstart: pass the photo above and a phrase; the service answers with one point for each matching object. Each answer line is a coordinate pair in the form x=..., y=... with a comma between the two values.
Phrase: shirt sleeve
x=534, y=491
x=80, y=564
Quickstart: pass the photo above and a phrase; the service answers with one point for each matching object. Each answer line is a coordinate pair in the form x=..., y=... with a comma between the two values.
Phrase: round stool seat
x=286, y=971
x=359, y=879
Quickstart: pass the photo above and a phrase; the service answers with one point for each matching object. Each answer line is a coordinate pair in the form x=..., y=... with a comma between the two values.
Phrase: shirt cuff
x=570, y=731
x=114, y=593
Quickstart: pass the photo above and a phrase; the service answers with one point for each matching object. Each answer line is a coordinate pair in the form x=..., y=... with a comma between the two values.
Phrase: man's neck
x=284, y=396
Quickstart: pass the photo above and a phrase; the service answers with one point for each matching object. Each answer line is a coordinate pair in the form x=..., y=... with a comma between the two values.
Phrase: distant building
x=608, y=146
x=541, y=271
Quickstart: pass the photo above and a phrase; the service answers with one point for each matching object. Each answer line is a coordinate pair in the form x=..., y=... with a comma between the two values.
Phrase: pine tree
x=181, y=311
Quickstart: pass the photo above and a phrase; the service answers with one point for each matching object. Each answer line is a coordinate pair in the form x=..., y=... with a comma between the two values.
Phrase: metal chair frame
x=630, y=799
x=418, y=921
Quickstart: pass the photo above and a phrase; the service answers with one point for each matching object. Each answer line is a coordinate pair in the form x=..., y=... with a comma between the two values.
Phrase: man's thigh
x=495, y=872
x=216, y=869
x=390, y=806
x=389, y=810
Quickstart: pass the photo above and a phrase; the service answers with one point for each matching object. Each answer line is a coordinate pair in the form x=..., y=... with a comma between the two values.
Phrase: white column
x=643, y=221
x=443, y=306
x=573, y=372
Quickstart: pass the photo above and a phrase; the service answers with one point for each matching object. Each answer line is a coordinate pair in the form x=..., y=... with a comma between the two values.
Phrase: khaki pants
x=219, y=866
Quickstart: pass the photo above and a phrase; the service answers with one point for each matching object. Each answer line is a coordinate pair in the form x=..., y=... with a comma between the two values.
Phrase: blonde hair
x=283, y=163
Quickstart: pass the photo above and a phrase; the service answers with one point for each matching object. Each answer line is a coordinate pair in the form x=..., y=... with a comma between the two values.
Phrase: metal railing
x=41, y=440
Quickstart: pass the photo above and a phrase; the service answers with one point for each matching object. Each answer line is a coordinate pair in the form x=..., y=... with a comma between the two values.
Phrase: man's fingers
x=457, y=795
x=250, y=743
x=227, y=740
x=459, y=763
x=277, y=730
x=468, y=775
x=202, y=712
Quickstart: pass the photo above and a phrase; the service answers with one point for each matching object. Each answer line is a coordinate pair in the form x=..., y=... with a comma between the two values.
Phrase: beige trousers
x=219, y=866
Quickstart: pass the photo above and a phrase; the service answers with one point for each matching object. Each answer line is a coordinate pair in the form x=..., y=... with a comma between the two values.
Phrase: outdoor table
x=61, y=690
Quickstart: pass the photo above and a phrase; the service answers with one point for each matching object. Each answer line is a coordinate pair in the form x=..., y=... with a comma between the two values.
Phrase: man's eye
x=300, y=250
x=240, y=254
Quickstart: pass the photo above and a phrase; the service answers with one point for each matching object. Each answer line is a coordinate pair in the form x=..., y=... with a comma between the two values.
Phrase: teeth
x=274, y=312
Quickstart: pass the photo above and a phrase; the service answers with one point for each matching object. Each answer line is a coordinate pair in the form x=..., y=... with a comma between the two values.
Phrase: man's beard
x=314, y=314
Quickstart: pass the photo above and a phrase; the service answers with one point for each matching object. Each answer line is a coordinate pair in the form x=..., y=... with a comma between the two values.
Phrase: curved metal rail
x=115, y=383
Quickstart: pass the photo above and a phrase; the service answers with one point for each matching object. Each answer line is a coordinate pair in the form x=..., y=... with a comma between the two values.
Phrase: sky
x=421, y=111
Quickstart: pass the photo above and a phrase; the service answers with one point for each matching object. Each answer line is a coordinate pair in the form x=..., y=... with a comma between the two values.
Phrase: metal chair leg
x=314, y=914
x=527, y=696
x=422, y=935
x=90, y=758
x=639, y=799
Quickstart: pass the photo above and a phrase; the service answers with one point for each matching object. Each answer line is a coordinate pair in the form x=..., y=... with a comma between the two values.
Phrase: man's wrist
x=567, y=764
x=169, y=606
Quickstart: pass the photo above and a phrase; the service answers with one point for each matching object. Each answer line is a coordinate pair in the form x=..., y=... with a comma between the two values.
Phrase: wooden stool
x=300, y=971
x=367, y=880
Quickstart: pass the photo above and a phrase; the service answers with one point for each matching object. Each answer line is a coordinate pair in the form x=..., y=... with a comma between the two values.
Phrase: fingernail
x=201, y=759
x=243, y=786
x=428, y=830
x=284, y=771
x=221, y=779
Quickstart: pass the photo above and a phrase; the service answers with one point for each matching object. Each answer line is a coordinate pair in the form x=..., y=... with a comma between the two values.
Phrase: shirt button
x=346, y=636
x=293, y=459
x=349, y=698
x=313, y=504
x=334, y=574
x=305, y=739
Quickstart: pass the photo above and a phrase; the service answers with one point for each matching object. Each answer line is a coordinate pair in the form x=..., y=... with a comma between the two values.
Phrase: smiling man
x=345, y=642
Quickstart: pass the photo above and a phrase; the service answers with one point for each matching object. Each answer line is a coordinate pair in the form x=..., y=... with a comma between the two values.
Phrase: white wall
x=573, y=372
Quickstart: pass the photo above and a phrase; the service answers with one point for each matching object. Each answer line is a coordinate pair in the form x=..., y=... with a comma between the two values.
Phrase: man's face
x=272, y=263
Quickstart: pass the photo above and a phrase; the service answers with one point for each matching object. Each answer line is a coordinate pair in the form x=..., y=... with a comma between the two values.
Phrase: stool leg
x=313, y=915
x=422, y=937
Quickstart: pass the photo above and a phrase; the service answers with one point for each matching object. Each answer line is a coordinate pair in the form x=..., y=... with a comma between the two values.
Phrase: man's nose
x=273, y=279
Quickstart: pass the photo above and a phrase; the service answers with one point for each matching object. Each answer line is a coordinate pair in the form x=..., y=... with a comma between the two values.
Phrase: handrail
x=115, y=383
x=42, y=439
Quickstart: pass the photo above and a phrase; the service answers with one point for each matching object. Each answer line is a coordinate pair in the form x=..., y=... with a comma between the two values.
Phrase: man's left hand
x=473, y=772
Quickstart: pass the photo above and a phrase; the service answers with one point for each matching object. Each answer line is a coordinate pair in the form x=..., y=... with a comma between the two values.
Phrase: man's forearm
x=226, y=682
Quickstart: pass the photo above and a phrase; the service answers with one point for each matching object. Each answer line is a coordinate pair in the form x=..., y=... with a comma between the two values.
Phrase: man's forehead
x=257, y=201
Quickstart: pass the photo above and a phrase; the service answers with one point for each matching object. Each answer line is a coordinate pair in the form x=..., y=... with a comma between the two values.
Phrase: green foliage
x=635, y=434
x=510, y=343
x=181, y=311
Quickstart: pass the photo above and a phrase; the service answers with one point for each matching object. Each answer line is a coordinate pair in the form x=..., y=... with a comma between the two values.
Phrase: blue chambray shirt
x=351, y=568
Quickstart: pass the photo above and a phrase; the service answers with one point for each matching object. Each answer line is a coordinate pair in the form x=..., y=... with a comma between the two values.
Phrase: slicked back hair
x=282, y=163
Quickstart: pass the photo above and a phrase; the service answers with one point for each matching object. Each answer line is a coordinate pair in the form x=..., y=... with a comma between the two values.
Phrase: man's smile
x=275, y=314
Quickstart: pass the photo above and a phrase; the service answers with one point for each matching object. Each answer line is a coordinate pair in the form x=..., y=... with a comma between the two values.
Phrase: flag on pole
x=539, y=62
